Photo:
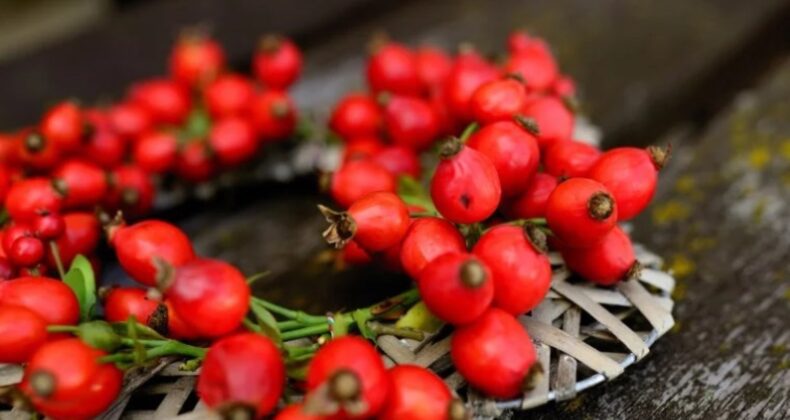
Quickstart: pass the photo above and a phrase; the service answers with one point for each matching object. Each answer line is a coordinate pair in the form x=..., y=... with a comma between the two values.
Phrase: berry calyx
x=580, y=212
x=376, y=222
x=457, y=288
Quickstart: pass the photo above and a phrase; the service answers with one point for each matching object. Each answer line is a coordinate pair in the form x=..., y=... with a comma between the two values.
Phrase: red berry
x=165, y=101
x=521, y=272
x=605, y=263
x=26, y=251
x=177, y=328
x=580, y=212
x=393, y=68
x=82, y=184
x=129, y=119
x=532, y=202
x=273, y=114
x=564, y=87
x=229, y=94
x=554, y=120
x=354, y=377
x=296, y=412
x=498, y=100
x=233, y=140
x=63, y=126
x=34, y=151
x=51, y=299
x=195, y=162
x=359, y=178
x=410, y=122
x=389, y=259
x=196, y=59
x=80, y=236
x=356, y=115
x=513, y=151
x=457, y=288
x=146, y=248
x=465, y=187
x=13, y=232
x=570, y=159
x=494, y=353
x=399, y=160
x=353, y=254
x=30, y=197
x=80, y=389
x=210, y=296
x=104, y=147
x=22, y=332
x=433, y=67
x=362, y=148
x=132, y=190
x=469, y=72
x=535, y=64
x=427, y=239
x=419, y=394
x=631, y=175
x=6, y=178
x=155, y=151
x=376, y=222
x=124, y=302
x=278, y=62
x=258, y=390
x=519, y=41
x=7, y=270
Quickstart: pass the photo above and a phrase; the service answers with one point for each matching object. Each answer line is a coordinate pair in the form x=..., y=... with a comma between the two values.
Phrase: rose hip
x=410, y=121
x=228, y=95
x=427, y=239
x=124, y=302
x=495, y=354
x=196, y=59
x=49, y=226
x=521, y=272
x=399, y=160
x=80, y=236
x=605, y=263
x=50, y=299
x=104, y=146
x=26, y=251
x=362, y=148
x=165, y=101
x=296, y=412
x=22, y=332
x=465, y=187
x=457, y=288
x=129, y=119
x=233, y=140
x=155, y=151
x=532, y=202
x=580, y=212
x=30, y=197
x=278, y=62
x=534, y=63
x=469, y=72
x=195, y=162
x=356, y=115
x=513, y=151
x=34, y=151
x=132, y=190
x=273, y=115
x=433, y=67
x=419, y=394
x=357, y=179
x=554, y=120
x=498, y=100
x=256, y=391
x=570, y=159
x=376, y=222
x=353, y=254
x=63, y=126
x=81, y=184
x=392, y=67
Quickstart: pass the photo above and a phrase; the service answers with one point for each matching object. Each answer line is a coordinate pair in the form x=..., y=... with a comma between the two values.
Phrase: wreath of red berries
x=456, y=171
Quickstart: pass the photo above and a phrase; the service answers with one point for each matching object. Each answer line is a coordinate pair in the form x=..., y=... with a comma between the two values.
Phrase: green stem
x=381, y=329
x=251, y=326
x=62, y=329
x=53, y=246
x=305, y=332
x=468, y=131
x=289, y=313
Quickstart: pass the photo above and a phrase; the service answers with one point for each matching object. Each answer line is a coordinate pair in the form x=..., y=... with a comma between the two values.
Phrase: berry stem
x=468, y=131
x=380, y=329
x=62, y=329
x=53, y=246
x=305, y=332
x=289, y=313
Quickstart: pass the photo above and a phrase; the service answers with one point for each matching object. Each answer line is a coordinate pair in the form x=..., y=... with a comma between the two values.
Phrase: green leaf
x=267, y=322
x=82, y=282
x=419, y=318
x=412, y=192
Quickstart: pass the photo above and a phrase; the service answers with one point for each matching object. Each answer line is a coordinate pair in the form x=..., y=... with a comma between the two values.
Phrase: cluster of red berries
x=512, y=183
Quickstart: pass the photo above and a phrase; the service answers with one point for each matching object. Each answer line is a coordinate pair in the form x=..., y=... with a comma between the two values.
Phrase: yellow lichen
x=685, y=184
x=681, y=266
x=676, y=328
x=778, y=349
x=759, y=157
x=670, y=211
x=701, y=243
x=784, y=149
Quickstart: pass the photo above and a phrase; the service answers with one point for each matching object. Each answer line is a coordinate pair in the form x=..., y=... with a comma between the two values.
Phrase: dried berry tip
x=450, y=147
x=660, y=155
x=600, y=206
x=534, y=376
x=43, y=383
x=473, y=274
x=34, y=142
x=537, y=237
x=456, y=410
x=237, y=411
x=341, y=227
x=528, y=124
x=270, y=43
x=344, y=385
x=634, y=272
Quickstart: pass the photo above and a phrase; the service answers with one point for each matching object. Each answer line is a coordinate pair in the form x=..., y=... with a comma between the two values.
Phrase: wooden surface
x=649, y=72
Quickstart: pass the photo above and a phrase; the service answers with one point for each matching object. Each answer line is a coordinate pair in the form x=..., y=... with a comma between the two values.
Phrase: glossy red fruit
x=22, y=332
x=166, y=101
x=570, y=159
x=7, y=270
x=519, y=40
x=81, y=236
x=433, y=67
x=376, y=222
x=144, y=248
x=177, y=328
x=155, y=151
x=229, y=94
x=6, y=179
x=132, y=190
x=457, y=288
x=63, y=125
x=256, y=391
x=273, y=114
x=498, y=100
x=564, y=87
x=495, y=354
x=129, y=119
x=13, y=232
x=513, y=151
x=410, y=121
x=124, y=302
x=51, y=299
x=419, y=394
x=359, y=178
x=49, y=226
x=532, y=202
x=82, y=184
x=553, y=119
x=580, y=212
x=349, y=372
x=362, y=148
x=278, y=62
x=607, y=262
x=233, y=140
x=356, y=115
x=399, y=160
x=465, y=187
x=196, y=59
x=469, y=72
x=535, y=64
x=296, y=412
x=210, y=296
x=353, y=254
x=34, y=151
x=80, y=389
x=30, y=197
x=393, y=68
x=195, y=162
x=521, y=272
x=104, y=146
x=26, y=251
x=427, y=239
x=631, y=174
